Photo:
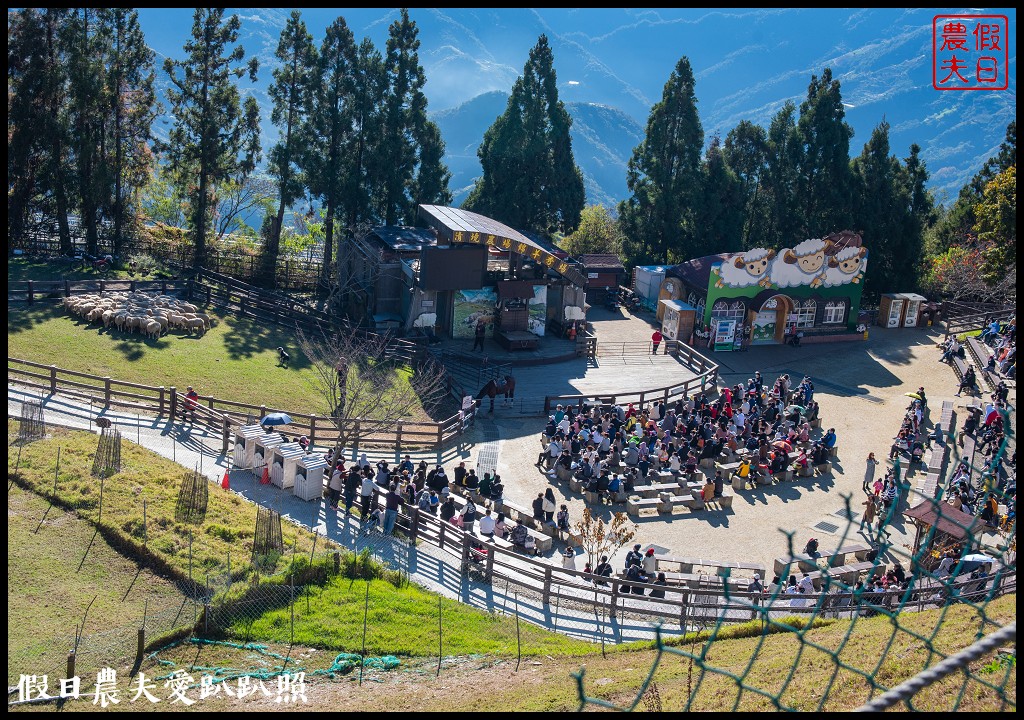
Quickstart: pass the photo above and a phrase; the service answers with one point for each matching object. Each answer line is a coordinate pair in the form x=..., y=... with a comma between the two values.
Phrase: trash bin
x=245, y=445
x=283, y=459
x=309, y=477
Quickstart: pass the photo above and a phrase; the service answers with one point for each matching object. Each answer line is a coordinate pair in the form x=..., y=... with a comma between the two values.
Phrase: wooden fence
x=29, y=291
x=686, y=606
x=707, y=376
x=222, y=416
x=245, y=300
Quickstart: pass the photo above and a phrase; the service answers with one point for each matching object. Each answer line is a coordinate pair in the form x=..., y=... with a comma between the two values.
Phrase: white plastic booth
x=245, y=445
x=283, y=458
x=262, y=447
x=309, y=477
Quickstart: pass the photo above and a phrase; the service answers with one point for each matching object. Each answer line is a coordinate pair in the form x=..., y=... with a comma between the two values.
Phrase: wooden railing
x=31, y=290
x=682, y=605
x=979, y=321
x=246, y=300
x=707, y=376
x=222, y=416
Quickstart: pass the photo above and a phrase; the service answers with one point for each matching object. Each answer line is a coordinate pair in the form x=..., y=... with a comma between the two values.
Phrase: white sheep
x=152, y=329
x=746, y=269
x=196, y=324
x=846, y=266
x=802, y=265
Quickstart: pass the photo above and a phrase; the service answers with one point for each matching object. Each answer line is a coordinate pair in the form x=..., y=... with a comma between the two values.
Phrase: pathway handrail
x=223, y=416
x=707, y=376
x=682, y=604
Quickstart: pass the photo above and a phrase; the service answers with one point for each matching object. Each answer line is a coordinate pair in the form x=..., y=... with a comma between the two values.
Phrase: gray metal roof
x=462, y=226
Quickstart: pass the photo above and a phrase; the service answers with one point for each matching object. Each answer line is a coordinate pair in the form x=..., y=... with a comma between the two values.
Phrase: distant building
x=462, y=270
x=604, y=271
x=814, y=287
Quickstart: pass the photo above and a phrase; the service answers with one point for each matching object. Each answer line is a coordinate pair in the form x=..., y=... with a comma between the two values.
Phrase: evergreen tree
x=366, y=174
x=530, y=179
x=824, y=185
x=289, y=93
x=39, y=163
x=883, y=210
x=86, y=62
x=746, y=154
x=329, y=127
x=130, y=103
x=664, y=177
x=213, y=137
x=27, y=144
x=782, y=227
x=719, y=214
x=405, y=129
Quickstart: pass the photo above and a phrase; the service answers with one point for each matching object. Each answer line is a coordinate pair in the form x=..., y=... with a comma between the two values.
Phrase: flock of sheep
x=152, y=315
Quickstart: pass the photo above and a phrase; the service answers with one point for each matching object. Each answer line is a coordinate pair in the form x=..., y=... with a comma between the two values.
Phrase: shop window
x=835, y=313
x=805, y=314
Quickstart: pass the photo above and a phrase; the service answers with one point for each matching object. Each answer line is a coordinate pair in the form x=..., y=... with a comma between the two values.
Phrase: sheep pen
x=131, y=312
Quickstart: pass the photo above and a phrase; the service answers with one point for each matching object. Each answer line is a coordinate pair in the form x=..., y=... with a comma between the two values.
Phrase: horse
x=506, y=387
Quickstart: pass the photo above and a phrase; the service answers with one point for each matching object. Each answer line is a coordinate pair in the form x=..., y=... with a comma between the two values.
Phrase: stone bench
x=806, y=563
x=634, y=504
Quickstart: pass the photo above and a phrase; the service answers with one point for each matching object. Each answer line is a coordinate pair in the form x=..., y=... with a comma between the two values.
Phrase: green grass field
x=46, y=590
x=235, y=360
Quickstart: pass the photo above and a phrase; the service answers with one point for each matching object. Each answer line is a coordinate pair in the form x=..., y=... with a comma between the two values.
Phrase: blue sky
x=747, y=63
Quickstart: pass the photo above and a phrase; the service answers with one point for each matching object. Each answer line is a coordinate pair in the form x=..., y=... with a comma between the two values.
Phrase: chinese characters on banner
x=970, y=52
x=179, y=688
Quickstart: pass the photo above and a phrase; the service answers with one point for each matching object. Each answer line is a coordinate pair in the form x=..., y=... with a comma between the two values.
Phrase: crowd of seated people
x=624, y=443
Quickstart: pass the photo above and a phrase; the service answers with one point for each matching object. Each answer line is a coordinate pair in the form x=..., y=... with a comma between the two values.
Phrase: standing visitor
x=656, y=339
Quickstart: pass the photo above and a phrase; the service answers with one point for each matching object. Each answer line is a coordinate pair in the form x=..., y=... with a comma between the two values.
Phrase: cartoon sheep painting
x=846, y=266
x=749, y=268
x=805, y=264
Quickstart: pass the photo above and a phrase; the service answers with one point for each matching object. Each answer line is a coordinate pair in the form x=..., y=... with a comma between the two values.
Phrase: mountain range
x=612, y=65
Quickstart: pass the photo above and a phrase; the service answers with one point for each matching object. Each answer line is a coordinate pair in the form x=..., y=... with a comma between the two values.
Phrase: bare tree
x=236, y=199
x=598, y=539
x=367, y=384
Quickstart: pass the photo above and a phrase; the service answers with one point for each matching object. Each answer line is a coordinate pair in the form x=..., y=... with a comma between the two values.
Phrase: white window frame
x=805, y=314
x=722, y=310
x=835, y=313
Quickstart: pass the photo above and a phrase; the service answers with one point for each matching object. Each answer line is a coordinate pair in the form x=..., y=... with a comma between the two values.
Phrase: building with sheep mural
x=814, y=287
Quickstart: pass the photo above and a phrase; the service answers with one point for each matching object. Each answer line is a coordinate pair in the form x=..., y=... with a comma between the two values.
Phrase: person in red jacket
x=656, y=339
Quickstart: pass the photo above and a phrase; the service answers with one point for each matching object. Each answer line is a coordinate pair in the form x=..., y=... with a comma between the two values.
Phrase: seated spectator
x=968, y=382
x=487, y=524
x=829, y=438
x=518, y=535
x=707, y=493
x=614, y=485
x=636, y=574
x=500, y=526
x=659, y=593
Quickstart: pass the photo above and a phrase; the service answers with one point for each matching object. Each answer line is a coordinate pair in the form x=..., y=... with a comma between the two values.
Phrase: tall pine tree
x=824, y=190
x=289, y=92
x=664, y=177
x=530, y=179
x=781, y=222
x=746, y=154
x=882, y=211
x=404, y=130
x=213, y=137
x=719, y=214
x=130, y=107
